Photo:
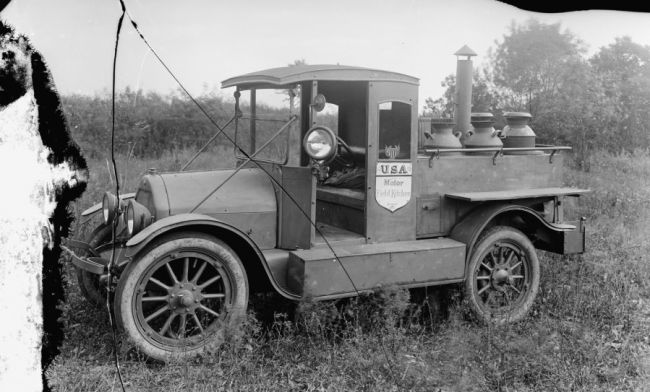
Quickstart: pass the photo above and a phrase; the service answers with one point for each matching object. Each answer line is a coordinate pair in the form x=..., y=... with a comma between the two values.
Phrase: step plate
x=317, y=274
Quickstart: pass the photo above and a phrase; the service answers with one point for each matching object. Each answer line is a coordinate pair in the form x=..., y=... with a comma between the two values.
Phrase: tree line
x=150, y=124
x=591, y=103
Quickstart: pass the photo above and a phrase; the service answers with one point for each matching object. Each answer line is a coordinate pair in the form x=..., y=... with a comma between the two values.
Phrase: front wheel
x=181, y=296
x=503, y=276
x=89, y=283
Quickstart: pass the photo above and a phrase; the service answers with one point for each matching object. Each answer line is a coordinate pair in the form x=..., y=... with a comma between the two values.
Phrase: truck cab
x=327, y=209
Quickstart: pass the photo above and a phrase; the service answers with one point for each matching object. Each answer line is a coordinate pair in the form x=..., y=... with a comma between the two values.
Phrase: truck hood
x=249, y=190
x=246, y=200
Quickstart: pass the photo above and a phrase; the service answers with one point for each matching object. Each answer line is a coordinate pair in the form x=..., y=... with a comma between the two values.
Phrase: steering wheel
x=341, y=158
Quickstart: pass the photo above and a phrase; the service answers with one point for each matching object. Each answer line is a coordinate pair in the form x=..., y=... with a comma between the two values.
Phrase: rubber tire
x=126, y=290
x=89, y=282
x=487, y=240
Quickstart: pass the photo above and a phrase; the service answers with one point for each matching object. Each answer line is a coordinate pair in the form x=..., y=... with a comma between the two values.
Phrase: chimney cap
x=465, y=51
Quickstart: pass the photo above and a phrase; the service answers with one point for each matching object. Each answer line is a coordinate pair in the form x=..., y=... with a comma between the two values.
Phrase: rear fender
x=543, y=235
x=257, y=268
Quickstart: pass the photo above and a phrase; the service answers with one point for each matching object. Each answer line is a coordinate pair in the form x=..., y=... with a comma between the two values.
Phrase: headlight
x=320, y=143
x=137, y=217
x=109, y=204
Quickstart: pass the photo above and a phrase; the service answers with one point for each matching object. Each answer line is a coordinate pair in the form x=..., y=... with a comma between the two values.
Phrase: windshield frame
x=254, y=118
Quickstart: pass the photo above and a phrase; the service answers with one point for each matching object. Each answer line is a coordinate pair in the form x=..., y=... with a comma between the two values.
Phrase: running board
x=317, y=274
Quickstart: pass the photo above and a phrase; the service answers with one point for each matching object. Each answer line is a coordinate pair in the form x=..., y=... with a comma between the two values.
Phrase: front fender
x=556, y=238
x=207, y=224
x=161, y=226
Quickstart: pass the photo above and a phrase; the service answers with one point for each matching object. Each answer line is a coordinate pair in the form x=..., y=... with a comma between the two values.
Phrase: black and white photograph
x=422, y=195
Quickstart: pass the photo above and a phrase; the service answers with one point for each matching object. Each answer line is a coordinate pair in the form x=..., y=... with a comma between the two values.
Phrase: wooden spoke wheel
x=503, y=276
x=181, y=296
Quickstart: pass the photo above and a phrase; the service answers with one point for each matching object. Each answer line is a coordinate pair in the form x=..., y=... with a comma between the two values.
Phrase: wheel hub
x=183, y=299
x=500, y=276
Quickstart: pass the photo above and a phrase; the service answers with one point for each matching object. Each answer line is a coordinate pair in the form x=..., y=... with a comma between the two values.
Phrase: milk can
x=517, y=133
x=442, y=134
x=482, y=134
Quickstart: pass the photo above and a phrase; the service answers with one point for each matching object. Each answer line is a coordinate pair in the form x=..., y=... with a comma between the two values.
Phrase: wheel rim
x=182, y=299
x=502, y=278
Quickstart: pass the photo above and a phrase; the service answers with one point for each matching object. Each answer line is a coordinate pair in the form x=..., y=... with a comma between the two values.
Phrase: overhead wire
x=236, y=145
x=116, y=214
x=248, y=157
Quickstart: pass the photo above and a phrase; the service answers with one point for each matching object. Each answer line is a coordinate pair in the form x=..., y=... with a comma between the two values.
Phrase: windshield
x=264, y=113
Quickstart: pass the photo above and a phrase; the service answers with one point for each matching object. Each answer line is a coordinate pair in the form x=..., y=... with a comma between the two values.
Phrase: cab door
x=392, y=150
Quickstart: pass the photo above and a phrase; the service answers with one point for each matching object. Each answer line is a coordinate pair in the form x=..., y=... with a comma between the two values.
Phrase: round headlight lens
x=130, y=218
x=109, y=204
x=320, y=143
x=105, y=210
x=136, y=218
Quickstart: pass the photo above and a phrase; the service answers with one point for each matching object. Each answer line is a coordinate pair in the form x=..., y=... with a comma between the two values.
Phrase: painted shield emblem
x=391, y=152
x=393, y=184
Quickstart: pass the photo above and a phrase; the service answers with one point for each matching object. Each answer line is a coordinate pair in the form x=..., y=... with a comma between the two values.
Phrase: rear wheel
x=503, y=276
x=182, y=296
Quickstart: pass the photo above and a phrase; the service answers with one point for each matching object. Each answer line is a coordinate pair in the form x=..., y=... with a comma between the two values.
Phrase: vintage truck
x=338, y=212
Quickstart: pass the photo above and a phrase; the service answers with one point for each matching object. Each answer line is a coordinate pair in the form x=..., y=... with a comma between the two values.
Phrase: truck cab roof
x=287, y=76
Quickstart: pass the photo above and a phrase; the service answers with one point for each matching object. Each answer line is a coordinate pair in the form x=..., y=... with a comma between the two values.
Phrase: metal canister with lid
x=442, y=134
x=482, y=134
x=517, y=132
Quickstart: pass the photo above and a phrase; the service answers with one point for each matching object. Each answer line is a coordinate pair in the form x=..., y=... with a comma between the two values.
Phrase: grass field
x=588, y=330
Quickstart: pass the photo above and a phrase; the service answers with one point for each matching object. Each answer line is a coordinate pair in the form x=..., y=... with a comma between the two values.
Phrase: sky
x=207, y=41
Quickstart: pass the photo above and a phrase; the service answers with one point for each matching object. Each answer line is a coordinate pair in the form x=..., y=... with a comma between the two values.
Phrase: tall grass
x=588, y=329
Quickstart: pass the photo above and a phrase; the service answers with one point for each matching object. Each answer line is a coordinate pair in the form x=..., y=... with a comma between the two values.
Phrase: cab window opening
x=394, y=130
x=345, y=115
